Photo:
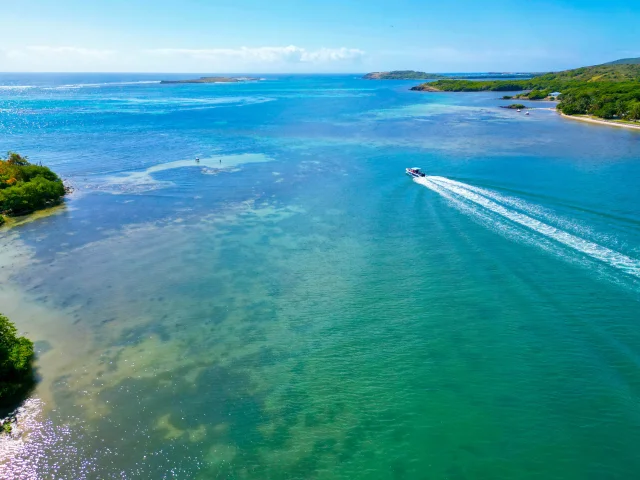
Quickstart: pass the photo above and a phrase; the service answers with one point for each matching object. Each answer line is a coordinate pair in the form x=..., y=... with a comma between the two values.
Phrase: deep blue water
x=294, y=306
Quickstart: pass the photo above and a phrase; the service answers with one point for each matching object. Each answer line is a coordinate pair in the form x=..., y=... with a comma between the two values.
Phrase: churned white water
x=486, y=199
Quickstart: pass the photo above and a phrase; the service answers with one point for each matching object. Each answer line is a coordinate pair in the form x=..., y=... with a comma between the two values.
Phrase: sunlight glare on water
x=302, y=309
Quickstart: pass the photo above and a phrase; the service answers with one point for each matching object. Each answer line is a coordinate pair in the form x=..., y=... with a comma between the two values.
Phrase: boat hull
x=414, y=174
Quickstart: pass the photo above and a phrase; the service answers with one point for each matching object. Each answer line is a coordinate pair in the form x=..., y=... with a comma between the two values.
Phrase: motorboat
x=415, y=172
x=526, y=113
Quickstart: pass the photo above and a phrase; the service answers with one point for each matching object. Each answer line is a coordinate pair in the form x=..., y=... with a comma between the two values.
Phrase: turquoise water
x=295, y=307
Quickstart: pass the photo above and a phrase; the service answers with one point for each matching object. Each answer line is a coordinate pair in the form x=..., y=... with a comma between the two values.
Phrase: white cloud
x=44, y=58
x=83, y=52
x=334, y=55
x=289, y=54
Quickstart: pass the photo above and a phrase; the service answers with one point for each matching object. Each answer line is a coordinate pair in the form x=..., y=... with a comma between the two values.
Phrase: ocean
x=293, y=306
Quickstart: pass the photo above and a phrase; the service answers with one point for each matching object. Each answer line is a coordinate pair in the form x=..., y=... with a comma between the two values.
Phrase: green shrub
x=16, y=364
x=633, y=110
x=608, y=110
x=569, y=109
x=25, y=188
x=30, y=196
x=537, y=95
x=14, y=158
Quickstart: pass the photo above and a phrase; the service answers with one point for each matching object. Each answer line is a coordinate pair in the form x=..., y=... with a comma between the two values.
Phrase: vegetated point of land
x=610, y=91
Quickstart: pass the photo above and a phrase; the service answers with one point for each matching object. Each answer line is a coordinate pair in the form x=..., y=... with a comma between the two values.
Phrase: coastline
x=10, y=222
x=601, y=121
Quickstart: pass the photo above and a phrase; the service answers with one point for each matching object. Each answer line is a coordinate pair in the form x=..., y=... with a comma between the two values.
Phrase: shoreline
x=11, y=222
x=601, y=121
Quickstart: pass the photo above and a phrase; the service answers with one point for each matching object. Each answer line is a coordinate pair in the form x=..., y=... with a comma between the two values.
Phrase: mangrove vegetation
x=25, y=188
x=16, y=365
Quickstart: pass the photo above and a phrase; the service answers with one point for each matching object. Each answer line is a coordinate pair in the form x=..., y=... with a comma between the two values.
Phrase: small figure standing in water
x=197, y=160
x=220, y=160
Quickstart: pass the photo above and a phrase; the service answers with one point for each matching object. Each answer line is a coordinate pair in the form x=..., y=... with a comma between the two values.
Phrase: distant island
x=213, y=80
x=402, y=75
x=416, y=75
x=25, y=188
x=609, y=91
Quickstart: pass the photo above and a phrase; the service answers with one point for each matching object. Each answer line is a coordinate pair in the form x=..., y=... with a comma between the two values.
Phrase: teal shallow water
x=305, y=310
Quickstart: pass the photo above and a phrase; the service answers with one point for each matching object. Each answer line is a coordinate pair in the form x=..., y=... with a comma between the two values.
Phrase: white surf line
x=615, y=259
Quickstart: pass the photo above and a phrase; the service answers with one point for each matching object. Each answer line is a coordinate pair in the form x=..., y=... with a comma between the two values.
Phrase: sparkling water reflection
x=312, y=313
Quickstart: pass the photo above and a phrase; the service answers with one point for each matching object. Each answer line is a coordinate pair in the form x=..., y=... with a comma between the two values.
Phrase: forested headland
x=610, y=91
x=25, y=188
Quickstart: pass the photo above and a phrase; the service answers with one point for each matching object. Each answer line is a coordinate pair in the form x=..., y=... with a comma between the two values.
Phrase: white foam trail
x=526, y=207
x=460, y=191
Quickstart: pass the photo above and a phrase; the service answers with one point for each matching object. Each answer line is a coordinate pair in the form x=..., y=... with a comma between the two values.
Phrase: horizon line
x=268, y=73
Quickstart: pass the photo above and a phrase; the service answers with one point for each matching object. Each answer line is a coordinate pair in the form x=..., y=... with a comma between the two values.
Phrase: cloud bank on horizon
x=290, y=54
x=278, y=59
x=241, y=59
x=315, y=36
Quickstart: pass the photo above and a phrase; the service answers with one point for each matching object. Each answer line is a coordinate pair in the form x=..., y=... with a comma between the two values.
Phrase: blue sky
x=315, y=36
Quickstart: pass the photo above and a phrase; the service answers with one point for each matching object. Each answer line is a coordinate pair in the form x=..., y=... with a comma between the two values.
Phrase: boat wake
x=506, y=212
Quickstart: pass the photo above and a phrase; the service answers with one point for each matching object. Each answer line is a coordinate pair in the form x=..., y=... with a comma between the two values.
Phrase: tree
x=633, y=112
x=15, y=159
x=569, y=109
x=16, y=364
x=608, y=110
x=25, y=188
x=30, y=196
x=537, y=95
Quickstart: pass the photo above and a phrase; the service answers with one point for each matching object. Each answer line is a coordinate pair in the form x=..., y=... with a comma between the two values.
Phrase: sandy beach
x=601, y=122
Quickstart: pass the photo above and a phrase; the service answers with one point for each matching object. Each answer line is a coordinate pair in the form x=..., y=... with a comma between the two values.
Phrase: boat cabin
x=415, y=172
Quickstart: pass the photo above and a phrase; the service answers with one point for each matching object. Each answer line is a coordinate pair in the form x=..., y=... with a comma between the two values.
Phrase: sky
x=309, y=36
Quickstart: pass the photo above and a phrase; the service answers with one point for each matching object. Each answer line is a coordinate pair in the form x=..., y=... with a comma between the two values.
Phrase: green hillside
x=615, y=72
x=548, y=81
x=625, y=61
x=607, y=91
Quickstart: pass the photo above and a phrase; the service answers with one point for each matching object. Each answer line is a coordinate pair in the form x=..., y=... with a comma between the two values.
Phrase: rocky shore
x=425, y=88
